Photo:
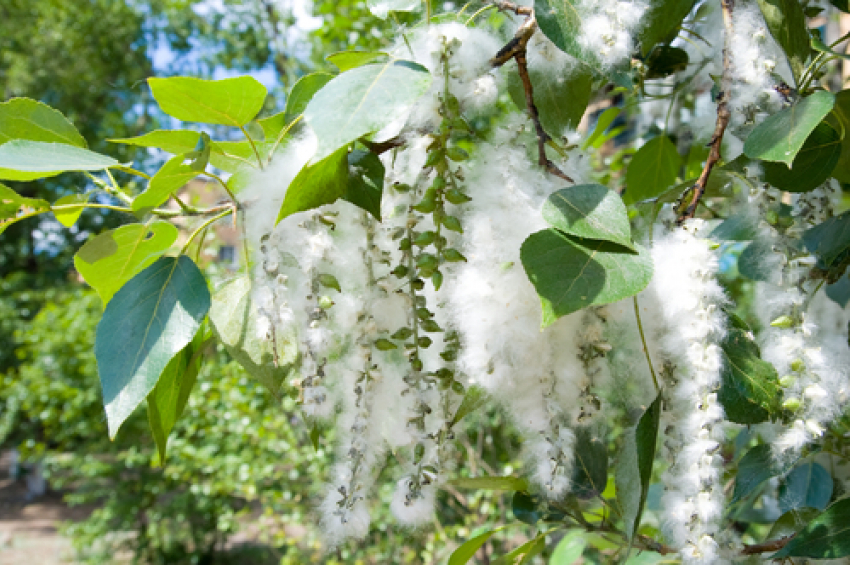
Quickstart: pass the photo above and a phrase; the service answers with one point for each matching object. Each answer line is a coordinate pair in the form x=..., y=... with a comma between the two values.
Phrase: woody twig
x=516, y=49
x=723, y=115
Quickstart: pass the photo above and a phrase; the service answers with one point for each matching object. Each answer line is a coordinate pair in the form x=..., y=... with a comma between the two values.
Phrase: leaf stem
x=224, y=185
x=281, y=135
x=645, y=348
x=253, y=146
x=205, y=225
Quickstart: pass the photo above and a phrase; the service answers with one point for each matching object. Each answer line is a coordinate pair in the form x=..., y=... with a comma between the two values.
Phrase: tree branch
x=516, y=49
x=766, y=547
x=723, y=116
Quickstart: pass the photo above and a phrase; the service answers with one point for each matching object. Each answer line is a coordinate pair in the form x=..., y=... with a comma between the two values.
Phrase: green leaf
x=591, y=211
x=347, y=60
x=363, y=101
x=792, y=522
x=147, y=323
x=24, y=160
x=172, y=141
x=665, y=60
x=570, y=549
x=467, y=550
x=781, y=136
x=838, y=292
x=590, y=470
x=842, y=5
x=301, y=94
x=168, y=399
x=269, y=359
x=819, y=45
x=826, y=537
x=561, y=97
x=750, y=387
x=317, y=184
x=230, y=156
x=646, y=437
x=112, y=258
x=570, y=273
x=756, y=467
x=169, y=179
x=525, y=508
x=560, y=21
x=808, y=485
x=787, y=24
x=14, y=207
x=229, y=102
x=812, y=165
x=69, y=216
x=652, y=170
x=738, y=227
x=829, y=240
x=24, y=118
x=627, y=481
x=751, y=263
x=491, y=483
x=382, y=8
x=365, y=181
x=527, y=551
x=663, y=19
x=475, y=398
x=605, y=119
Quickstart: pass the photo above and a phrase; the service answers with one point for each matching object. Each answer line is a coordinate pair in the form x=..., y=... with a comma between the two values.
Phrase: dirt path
x=29, y=528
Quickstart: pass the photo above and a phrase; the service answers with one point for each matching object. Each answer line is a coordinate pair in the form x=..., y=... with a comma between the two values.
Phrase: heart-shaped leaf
x=112, y=258
x=168, y=399
x=317, y=184
x=363, y=101
x=826, y=537
x=268, y=358
x=813, y=164
x=570, y=273
x=22, y=159
x=23, y=118
x=365, y=181
x=750, y=386
x=781, y=136
x=652, y=170
x=14, y=207
x=69, y=208
x=149, y=321
x=229, y=102
x=590, y=211
x=173, y=175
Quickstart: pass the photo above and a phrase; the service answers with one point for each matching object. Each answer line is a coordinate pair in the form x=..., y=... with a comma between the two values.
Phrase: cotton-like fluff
x=689, y=299
x=471, y=78
x=801, y=337
x=756, y=60
x=608, y=28
x=535, y=373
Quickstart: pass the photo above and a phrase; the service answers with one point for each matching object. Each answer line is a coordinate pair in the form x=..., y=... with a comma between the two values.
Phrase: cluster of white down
x=756, y=60
x=805, y=342
x=686, y=293
x=543, y=378
x=608, y=28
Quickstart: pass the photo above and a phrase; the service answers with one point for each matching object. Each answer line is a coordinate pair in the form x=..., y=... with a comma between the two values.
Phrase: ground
x=29, y=529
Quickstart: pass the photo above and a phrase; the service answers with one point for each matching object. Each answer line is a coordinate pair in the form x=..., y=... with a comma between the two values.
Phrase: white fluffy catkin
x=689, y=299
